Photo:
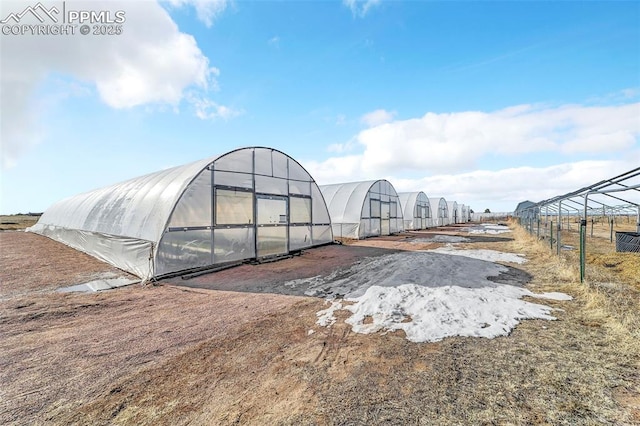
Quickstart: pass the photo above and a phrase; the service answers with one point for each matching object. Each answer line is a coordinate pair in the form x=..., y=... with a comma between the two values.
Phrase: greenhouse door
x=384, y=216
x=271, y=237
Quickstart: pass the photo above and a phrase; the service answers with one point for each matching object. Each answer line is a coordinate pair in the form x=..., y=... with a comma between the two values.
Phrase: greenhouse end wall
x=250, y=203
x=416, y=210
x=363, y=209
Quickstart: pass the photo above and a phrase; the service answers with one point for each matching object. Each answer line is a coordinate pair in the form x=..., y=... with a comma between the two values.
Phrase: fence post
x=558, y=243
x=591, y=227
x=611, y=231
x=583, y=231
x=551, y=236
x=538, y=231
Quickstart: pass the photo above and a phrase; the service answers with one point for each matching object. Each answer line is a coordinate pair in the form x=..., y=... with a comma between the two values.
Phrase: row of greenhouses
x=251, y=203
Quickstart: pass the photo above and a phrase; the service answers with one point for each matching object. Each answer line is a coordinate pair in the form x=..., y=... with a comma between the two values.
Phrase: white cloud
x=359, y=8
x=454, y=142
x=206, y=10
x=151, y=62
x=377, y=117
x=207, y=109
x=274, y=41
x=436, y=152
x=502, y=190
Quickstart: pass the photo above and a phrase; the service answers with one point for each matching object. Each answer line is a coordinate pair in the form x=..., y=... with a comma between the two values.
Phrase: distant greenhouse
x=453, y=213
x=464, y=213
x=416, y=210
x=249, y=203
x=440, y=215
x=363, y=209
x=527, y=210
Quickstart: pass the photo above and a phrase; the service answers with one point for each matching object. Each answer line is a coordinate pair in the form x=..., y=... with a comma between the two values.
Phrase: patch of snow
x=489, y=228
x=310, y=332
x=441, y=239
x=436, y=313
x=430, y=295
x=482, y=254
x=554, y=296
x=326, y=317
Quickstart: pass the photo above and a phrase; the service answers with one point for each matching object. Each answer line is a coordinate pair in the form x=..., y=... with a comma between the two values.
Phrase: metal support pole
x=559, y=215
x=591, y=227
x=546, y=214
x=538, y=231
x=558, y=243
x=583, y=231
x=551, y=236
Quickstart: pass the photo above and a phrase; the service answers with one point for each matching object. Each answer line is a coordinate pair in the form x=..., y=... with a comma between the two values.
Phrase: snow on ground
x=431, y=314
x=429, y=295
x=441, y=239
x=482, y=254
x=489, y=228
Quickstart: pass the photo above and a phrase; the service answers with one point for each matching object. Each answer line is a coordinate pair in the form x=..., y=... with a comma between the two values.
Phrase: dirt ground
x=171, y=354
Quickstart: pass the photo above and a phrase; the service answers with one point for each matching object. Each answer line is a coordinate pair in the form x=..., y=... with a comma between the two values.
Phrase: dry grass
x=17, y=221
x=105, y=359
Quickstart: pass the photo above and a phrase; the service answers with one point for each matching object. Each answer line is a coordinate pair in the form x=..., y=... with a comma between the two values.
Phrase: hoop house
x=249, y=203
x=463, y=213
x=440, y=216
x=363, y=209
x=452, y=210
x=416, y=210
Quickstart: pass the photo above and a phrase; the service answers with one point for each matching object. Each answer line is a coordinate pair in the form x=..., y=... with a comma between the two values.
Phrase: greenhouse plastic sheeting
x=416, y=209
x=363, y=209
x=439, y=211
x=197, y=215
x=452, y=211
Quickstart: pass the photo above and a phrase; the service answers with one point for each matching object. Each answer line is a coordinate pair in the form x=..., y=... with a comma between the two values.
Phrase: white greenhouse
x=463, y=213
x=246, y=204
x=416, y=209
x=363, y=209
x=452, y=210
x=440, y=215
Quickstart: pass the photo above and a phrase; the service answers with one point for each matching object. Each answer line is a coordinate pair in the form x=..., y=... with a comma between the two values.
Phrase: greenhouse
x=249, y=203
x=440, y=215
x=452, y=210
x=463, y=211
x=416, y=210
x=363, y=209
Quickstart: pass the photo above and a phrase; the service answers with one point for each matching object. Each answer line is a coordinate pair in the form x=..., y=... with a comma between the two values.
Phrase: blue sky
x=486, y=103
